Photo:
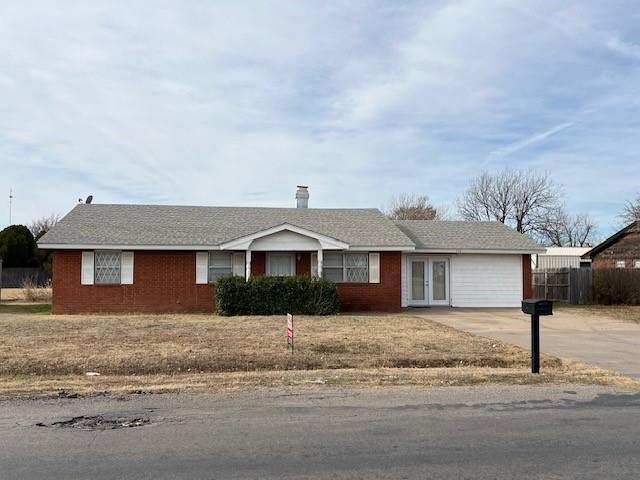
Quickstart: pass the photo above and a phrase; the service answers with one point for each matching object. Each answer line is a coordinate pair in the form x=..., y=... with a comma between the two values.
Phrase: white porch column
x=320, y=263
x=247, y=264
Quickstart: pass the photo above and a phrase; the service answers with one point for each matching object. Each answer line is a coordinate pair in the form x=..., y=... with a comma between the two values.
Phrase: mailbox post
x=535, y=308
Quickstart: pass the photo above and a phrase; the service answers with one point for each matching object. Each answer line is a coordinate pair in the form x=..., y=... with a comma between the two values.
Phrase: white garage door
x=486, y=280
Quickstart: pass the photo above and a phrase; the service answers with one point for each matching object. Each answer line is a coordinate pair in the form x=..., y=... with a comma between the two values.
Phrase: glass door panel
x=418, y=281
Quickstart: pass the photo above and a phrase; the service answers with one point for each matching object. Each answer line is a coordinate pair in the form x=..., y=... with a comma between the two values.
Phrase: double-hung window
x=346, y=267
x=108, y=266
x=220, y=265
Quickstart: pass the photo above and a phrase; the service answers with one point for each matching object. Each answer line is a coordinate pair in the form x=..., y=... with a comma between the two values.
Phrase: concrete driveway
x=607, y=342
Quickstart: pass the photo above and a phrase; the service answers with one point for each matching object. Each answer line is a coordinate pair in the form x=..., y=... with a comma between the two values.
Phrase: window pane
x=332, y=273
x=107, y=267
x=356, y=267
x=417, y=280
x=216, y=273
x=355, y=259
x=356, y=275
x=332, y=259
x=220, y=259
x=281, y=265
x=220, y=265
x=439, y=280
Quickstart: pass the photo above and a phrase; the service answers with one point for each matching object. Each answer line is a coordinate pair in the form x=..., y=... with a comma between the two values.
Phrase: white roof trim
x=494, y=251
x=244, y=243
x=86, y=246
x=403, y=248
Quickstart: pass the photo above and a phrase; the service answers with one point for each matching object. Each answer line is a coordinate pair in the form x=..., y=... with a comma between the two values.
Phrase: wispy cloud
x=529, y=141
x=237, y=102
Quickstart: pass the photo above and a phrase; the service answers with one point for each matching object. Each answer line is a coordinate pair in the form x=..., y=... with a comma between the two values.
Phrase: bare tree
x=42, y=225
x=631, y=211
x=408, y=206
x=563, y=230
x=519, y=198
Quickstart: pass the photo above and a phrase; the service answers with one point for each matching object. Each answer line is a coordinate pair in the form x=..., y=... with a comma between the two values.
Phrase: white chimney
x=302, y=196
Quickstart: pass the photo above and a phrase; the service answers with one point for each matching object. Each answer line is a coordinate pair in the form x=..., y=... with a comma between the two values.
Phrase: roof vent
x=302, y=196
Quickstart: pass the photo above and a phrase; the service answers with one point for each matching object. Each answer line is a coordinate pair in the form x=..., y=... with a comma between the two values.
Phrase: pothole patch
x=99, y=422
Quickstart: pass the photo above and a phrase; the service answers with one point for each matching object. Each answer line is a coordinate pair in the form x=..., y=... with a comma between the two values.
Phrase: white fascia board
x=84, y=246
x=243, y=243
x=403, y=248
x=476, y=250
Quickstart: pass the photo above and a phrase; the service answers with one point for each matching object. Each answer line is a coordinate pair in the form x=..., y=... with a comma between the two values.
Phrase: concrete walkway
x=603, y=341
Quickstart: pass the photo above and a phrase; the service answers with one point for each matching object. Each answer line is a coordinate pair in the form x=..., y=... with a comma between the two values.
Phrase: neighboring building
x=152, y=258
x=561, y=257
x=620, y=250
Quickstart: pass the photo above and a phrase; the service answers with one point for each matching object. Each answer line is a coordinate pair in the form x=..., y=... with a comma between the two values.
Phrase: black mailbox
x=533, y=306
x=536, y=307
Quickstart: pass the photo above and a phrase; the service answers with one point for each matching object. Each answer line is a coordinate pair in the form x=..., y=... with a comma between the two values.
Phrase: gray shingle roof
x=160, y=225
x=461, y=235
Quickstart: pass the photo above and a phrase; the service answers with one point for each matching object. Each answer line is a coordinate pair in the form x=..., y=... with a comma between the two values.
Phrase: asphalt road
x=456, y=433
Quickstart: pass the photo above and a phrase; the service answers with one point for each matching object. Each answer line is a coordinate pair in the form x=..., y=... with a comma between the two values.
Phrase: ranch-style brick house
x=156, y=258
x=620, y=250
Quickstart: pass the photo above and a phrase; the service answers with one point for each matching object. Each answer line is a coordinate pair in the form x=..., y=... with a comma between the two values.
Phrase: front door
x=428, y=281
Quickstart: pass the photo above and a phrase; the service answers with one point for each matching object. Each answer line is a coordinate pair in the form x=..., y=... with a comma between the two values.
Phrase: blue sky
x=234, y=103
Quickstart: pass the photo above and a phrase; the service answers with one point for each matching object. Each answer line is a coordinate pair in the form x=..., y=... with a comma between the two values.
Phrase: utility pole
x=10, y=200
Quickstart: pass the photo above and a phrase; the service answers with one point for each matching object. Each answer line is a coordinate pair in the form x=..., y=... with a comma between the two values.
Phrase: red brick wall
x=385, y=296
x=163, y=281
x=527, y=278
x=599, y=262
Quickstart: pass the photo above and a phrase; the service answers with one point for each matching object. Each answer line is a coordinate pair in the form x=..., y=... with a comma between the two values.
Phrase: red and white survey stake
x=290, y=331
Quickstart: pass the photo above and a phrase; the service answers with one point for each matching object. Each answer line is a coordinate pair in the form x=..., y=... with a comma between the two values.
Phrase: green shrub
x=616, y=286
x=277, y=296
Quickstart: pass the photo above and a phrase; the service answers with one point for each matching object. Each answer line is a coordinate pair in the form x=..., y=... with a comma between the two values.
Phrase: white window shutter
x=314, y=264
x=126, y=268
x=86, y=277
x=202, y=265
x=374, y=268
x=238, y=264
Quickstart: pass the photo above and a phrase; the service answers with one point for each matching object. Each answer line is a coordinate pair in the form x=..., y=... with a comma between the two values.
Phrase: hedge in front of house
x=276, y=296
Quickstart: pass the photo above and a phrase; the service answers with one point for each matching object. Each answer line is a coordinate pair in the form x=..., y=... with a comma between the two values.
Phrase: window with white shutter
x=346, y=267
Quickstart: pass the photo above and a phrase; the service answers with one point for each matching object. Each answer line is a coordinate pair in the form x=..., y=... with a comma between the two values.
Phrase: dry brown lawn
x=27, y=295
x=628, y=313
x=43, y=353
x=34, y=344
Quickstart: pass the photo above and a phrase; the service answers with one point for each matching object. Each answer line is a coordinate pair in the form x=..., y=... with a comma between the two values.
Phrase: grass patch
x=35, y=344
x=174, y=352
x=627, y=313
x=568, y=374
x=18, y=308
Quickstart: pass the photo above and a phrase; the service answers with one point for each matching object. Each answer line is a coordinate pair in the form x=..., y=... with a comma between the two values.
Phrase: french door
x=428, y=280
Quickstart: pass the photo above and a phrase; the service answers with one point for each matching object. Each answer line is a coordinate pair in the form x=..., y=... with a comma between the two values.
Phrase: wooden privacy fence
x=572, y=285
